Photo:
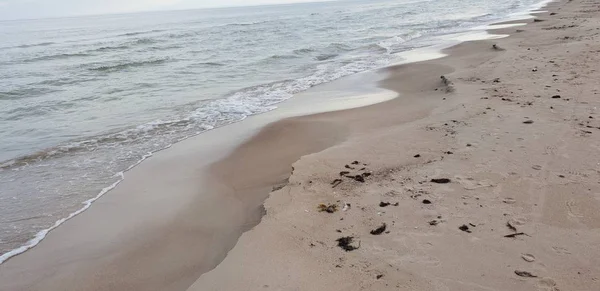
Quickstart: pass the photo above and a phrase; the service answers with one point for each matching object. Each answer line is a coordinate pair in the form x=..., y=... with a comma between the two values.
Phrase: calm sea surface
x=83, y=99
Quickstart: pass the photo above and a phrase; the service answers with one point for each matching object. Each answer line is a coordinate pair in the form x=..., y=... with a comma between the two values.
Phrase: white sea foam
x=86, y=204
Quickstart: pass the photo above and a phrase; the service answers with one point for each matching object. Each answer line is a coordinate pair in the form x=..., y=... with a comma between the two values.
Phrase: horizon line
x=165, y=10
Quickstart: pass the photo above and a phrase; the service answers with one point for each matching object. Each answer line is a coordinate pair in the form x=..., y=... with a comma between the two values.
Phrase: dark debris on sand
x=345, y=243
x=386, y=204
x=331, y=208
x=336, y=183
x=379, y=230
x=464, y=228
x=441, y=181
x=525, y=274
x=515, y=234
x=511, y=227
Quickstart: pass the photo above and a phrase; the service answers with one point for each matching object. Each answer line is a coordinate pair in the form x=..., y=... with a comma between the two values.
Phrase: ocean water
x=84, y=99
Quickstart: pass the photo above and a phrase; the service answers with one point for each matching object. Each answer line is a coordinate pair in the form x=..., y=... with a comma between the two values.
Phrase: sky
x=26, y=9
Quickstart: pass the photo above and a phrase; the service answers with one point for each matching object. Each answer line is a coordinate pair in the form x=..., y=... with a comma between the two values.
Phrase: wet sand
x=180, y=214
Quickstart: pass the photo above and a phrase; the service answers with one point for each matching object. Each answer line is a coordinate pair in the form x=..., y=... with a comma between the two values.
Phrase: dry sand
x=540, y=177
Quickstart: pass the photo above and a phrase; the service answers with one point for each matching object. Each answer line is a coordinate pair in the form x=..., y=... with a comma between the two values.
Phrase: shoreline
x=321, y=121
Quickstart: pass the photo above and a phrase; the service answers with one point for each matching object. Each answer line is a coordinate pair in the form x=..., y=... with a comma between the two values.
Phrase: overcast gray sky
x=18, y=9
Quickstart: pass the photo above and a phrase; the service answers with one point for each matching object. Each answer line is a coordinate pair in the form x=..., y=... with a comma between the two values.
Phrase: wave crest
x=128, y=65
x=56, y=57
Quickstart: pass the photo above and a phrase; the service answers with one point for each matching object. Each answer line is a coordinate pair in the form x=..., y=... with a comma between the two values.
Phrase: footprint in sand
x=518, y=221
x=561, y=250
x=570, y=206
x=470, y=183
x=528, y=257
x=547, y=284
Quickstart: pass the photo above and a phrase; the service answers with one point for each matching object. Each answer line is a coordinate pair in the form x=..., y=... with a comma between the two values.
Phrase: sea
x=85, y=99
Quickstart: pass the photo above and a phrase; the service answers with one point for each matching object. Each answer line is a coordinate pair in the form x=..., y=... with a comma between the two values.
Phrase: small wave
x=119, y=138
x=276, y=59
x=27, y=45
x=124, y=44
x=339, y=47
x=24, y=93
x=165, y=48
x=35, y=44
x=123, y=66
x=111, y=48
x=54, y=153
x=61, y=81
x=210, y=64
x=325, y=28
x=391, y=42
x=303, y=51
x=24, y=112
x=399, y=42
x=56, y=57
x=145, y=40
x=141, y=32
x=245, y=23
x=325, y=57
x=181, y=35
x=375, y=48
x=481, y=16
x=23, y=219
x=282, y=57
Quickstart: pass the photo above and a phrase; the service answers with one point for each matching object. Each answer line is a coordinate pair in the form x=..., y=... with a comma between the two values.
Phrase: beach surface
x=517, y=134
x=514, y=128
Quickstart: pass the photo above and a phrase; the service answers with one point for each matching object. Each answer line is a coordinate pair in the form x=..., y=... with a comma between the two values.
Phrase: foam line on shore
x=86, y=204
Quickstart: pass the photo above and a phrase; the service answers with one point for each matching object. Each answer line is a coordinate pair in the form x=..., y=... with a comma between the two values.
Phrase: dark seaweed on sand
x=379, y=230
x=346, y=243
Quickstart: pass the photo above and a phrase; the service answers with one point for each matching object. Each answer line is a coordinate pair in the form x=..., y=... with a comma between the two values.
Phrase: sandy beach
x=516, y=135
x=485, y=179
